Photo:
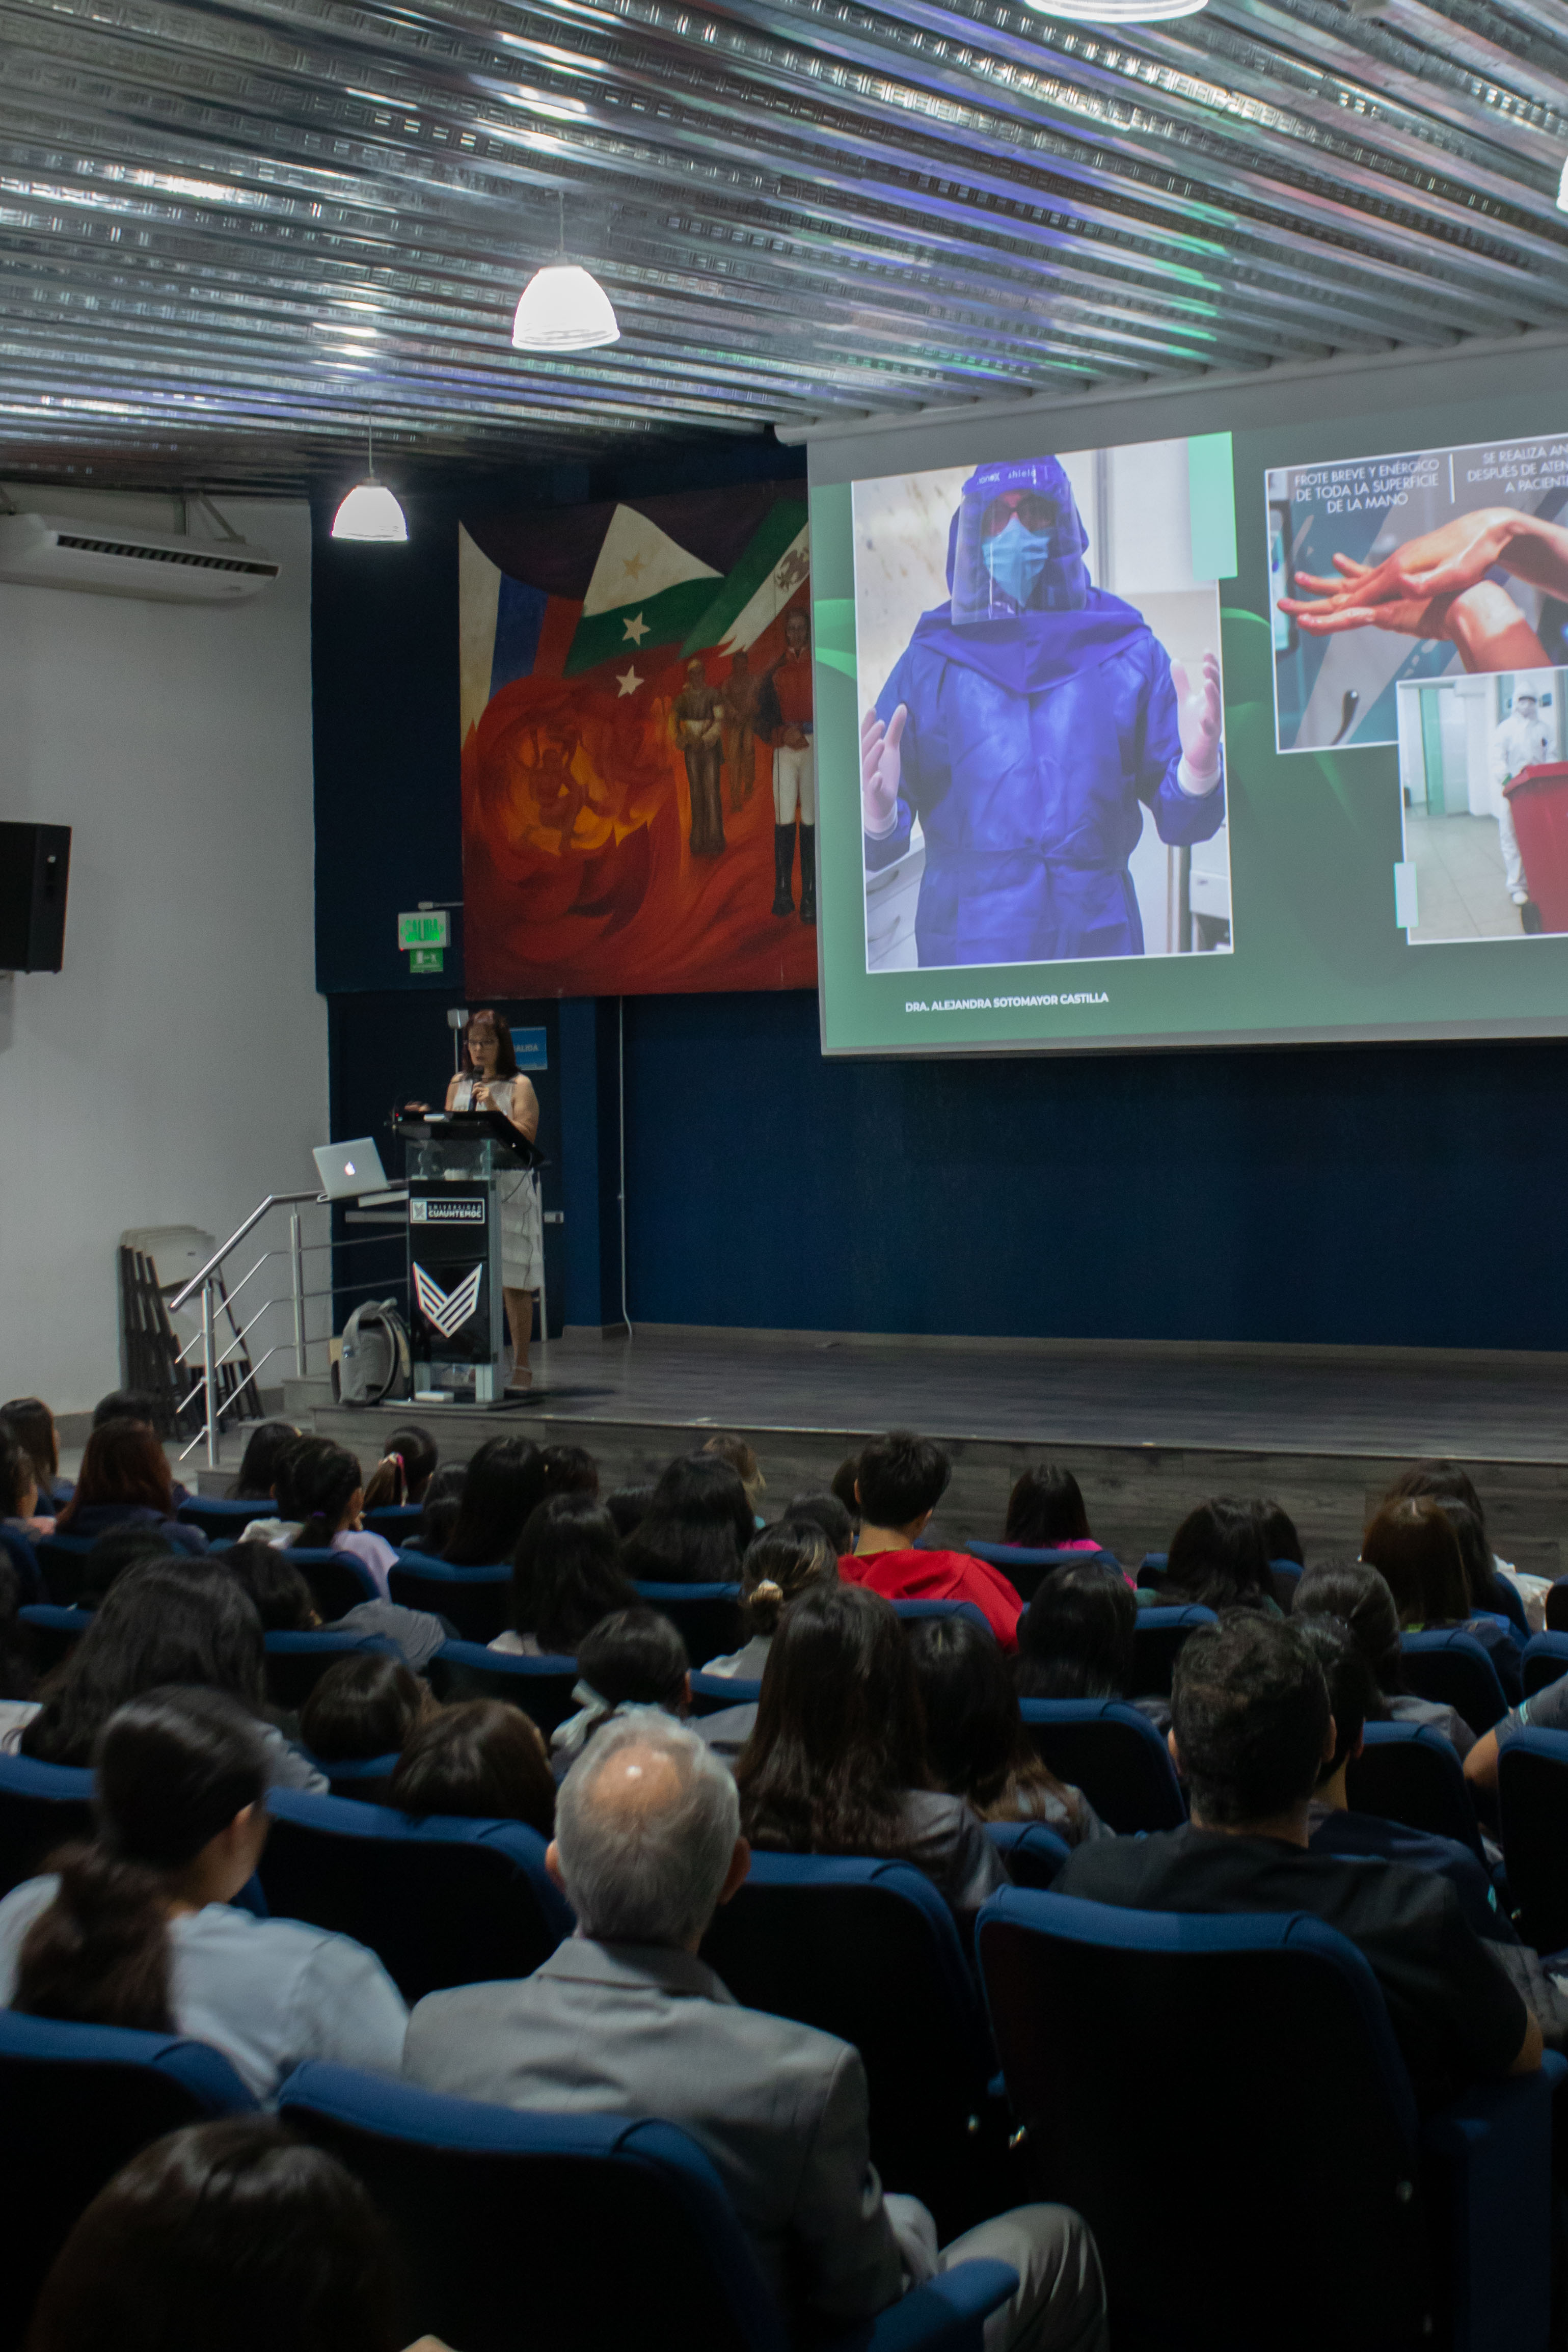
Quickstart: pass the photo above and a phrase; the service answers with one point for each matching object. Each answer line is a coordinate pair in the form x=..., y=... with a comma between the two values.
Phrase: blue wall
x=1394, y=1194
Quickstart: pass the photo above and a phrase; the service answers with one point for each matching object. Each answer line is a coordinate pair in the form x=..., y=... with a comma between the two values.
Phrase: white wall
x=175, y=1071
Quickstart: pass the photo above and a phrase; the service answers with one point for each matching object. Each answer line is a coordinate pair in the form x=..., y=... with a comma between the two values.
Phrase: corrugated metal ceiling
x=228, y=232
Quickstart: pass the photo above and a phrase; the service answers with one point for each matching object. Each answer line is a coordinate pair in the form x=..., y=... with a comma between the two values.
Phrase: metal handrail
x=273, y=1201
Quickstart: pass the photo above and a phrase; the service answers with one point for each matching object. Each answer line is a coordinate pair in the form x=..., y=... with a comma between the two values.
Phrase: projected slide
x=1042, y=726
x=1247, y=737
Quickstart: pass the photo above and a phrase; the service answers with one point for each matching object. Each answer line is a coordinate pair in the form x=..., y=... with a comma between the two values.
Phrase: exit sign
x=426, y=960
x=425, y=929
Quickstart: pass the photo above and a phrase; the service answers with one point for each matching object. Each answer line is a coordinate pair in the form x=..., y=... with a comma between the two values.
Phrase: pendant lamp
x=563, y=308
x=370, y=511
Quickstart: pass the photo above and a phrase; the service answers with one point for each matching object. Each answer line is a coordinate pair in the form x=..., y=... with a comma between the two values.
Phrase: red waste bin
x=1539, y=799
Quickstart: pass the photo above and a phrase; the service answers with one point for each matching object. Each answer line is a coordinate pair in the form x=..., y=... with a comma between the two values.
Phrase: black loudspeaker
x=34, y=865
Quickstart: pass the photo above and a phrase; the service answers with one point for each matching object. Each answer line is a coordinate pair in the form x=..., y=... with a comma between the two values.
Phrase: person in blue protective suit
x=1027, y=724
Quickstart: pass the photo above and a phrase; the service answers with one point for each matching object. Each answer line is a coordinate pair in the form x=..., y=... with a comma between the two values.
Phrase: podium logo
x=452, y=1212
x=447, y=1309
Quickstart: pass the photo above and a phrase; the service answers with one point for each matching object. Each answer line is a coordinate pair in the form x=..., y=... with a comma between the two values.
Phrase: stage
x=1149, y=1427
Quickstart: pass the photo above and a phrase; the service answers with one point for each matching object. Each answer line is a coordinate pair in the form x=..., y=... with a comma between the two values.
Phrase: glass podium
x=460, y=1165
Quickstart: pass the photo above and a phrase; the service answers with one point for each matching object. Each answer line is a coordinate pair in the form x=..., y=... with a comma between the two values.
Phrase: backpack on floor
x=377, y=1361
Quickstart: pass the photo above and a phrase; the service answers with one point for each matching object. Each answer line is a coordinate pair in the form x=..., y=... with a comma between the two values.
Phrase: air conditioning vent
x=47, y=552
x=200, y=558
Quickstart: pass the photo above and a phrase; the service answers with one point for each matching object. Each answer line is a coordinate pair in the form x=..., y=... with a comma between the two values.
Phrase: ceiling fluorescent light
x=563, y=308
x=370, y=511
x=1117, y=12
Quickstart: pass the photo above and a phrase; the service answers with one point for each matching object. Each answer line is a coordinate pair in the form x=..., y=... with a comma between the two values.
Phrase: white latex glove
x=1198, y=724
x=881, y=769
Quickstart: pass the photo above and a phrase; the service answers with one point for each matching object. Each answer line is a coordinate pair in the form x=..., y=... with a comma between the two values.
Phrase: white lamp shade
x=1562, y=189
x=563, y=309
x=370, y=511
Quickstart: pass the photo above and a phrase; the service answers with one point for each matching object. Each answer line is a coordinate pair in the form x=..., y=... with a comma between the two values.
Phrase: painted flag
x=752, y=596
x=645, y=591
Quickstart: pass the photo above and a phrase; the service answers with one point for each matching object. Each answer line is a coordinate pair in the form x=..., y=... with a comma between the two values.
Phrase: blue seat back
x=1113, y=1754
x=1106, y=2019
x=1451, y=1667
x=441, y=1901
x=477, y=1600
x=489, y=2205
x=917, y=1612
x=296, y=1662
x=707, y=1616
x=1032, y=1852
x=1513, y=1608
x=62, y=1564
x=79, y=2101
x=395, y=1522
x=1408, y=1772
x=366, y=1779
x=1532, y=1805
x=338, y=1581
x=1157, y=1635
x=1026, y=1570
x=42, y=1806
x=867, y=1950
x=1544, y=1659
x=50, y=1633
x=543, y=1687
x=711, y=1694
x=221, y=1521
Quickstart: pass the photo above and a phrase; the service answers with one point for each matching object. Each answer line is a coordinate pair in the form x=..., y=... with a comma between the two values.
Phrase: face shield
x=1018, y=543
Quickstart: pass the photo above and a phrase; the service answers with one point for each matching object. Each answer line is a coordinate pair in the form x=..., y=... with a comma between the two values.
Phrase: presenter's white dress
x=521, y=1221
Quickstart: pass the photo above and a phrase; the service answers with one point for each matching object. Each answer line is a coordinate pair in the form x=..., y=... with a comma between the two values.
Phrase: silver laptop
x=347, y=1169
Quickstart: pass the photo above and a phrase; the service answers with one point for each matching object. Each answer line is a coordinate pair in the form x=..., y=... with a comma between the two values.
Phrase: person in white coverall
x=1520, y=741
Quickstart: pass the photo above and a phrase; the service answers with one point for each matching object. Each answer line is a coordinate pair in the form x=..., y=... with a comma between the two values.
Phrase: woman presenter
x=489, y=1080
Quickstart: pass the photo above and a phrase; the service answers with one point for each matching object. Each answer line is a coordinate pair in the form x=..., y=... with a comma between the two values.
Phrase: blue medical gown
x=1029, y=753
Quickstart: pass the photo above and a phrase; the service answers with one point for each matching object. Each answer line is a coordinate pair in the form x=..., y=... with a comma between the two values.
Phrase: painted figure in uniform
x=787, y=719
x=698, y=730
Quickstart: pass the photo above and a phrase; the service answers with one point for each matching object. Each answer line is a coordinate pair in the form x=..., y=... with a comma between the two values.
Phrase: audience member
x=438, y=1518
x=899, y=1482
x=127, y=1404
x=325, y=1485
x=403, y=1472
x=827, y=1513
x=625, y=2019
x=365, y=1704
x=31, y=1418
x=566, y=1574
x=1075, y=1639
x=278, y=1592
x=628, y=1506
x=568, y=1470
x=1218, y=1559
x=1545, y=1710
x=836, y=1763
x=125, y=1476
x=164, y=1621
x=1415, y=1549
x=635, y=1658
x=505, y=1482
x=118, y=1548
x=1278, y=1529
x=976, y=1743
x=1451, y=1482
x=284, y=1525
x=264, y=1449
x=696, y=1528
x=481, y=1759
x=1360, y=1598
x=17, y=1680
x=1251, y=1731
x=139, y=1927
x=1045, y=1512
x=742, y=1460
x=19, y=1513
x=779, y=1563
x=230, y=2233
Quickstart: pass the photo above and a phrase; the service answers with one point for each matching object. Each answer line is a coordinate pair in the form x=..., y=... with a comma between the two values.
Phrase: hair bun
x=767, y=1591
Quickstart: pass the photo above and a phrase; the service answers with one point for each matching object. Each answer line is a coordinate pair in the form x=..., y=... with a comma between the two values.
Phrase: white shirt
x=268, y=1993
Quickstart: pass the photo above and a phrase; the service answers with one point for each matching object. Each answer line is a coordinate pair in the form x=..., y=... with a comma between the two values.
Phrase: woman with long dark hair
x=125, y=1476
x=836, y=1763
x=34, y=1425
x=976, y=1745
x=481, y=1759
x=505, y=1482
x=1418, y=1546
x=697, y=1527
x=1355, y=1592
x=325, y=1488
x=1219, y=1559
x=1045, y=1512
x=1075, y=1639
x=566, y=1574
x=264, y=1449
x=139, y=1927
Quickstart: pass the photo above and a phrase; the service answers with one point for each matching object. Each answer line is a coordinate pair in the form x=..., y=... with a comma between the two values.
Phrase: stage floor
x=1149, y=1427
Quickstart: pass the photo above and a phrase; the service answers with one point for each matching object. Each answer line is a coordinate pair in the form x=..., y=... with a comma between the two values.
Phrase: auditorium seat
x=17, y=1546
x=1544, y=1659
x=1113, y=1754
x=338, y=1581
x=1557, y=1606
x=1451, y=1667
x=477, y=1600
x=42, y=1806
x=1157, y=1635
x=79, y=2101
x=367, y=1779
x=49, y=1633
x=1513, y=1608
x=592, y=2231
x=917, y=1612
x=543, y=1687
x=1408, y=1772
x=713, y=1694
x=1532, y=1806
x=1222, y=2098
x=1025, y=1569
x=62, y=1564
x=706, y=1616
x=867, y=1950
x=296, y=1662
x=1032, y=1852
x=395, y=1522
x=442, y=1901
x=220, y=1520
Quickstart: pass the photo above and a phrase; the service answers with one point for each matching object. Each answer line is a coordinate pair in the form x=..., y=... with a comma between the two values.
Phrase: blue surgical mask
x=1016, y=557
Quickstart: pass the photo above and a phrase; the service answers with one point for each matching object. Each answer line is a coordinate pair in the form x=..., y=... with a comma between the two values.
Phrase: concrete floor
x=1460, y=893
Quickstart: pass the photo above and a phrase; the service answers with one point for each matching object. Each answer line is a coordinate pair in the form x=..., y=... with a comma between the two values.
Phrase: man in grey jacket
x=625, y=2019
